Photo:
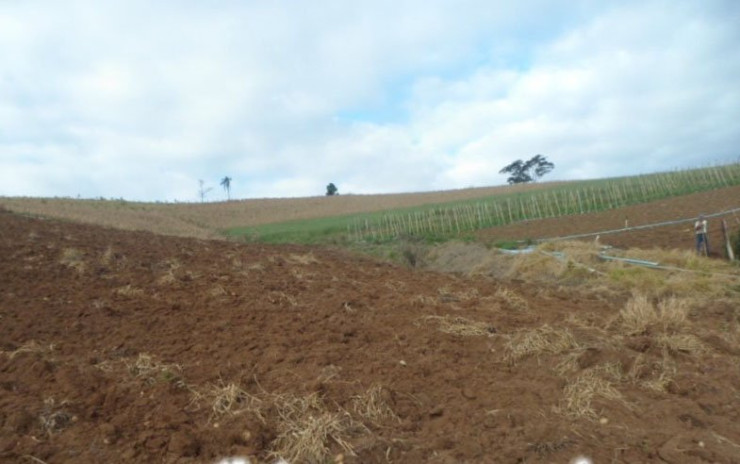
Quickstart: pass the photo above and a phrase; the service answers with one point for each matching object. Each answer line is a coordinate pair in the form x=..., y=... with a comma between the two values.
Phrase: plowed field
x=121, y=346
x=678, y=236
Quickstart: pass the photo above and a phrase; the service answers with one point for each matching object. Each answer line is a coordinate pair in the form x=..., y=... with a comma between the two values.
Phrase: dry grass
x=639, y=315
x=512, y=300
x=565, y=262
x=282, y=299
x=171, y=267
x=459, y=326
x=535, y=267
x=74, y=259
x=583, y=252
x=128, y=291
x=577, y=265
x=227, y=399
x=304, y=259
x=107, y=258
x=168, y=278
x=306, y=428
x=217, y=291
x=373, y=405
x=146, y=367
x=579, y=394
x=256, y=267
x=568, y=365
x=684, y=259
x=29, y=347
x=328, y=373
x=687, y=274
x=685, y=343
x=447, y=295
x=545, y=339
x=54, y=418
x=655, y=376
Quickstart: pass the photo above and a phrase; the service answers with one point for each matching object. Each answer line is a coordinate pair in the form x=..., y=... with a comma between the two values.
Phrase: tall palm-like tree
x=226, y=184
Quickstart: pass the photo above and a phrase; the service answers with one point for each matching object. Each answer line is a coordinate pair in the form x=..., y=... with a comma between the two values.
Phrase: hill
x=121, y=346
x=207, y=220
x=677, y=215
x=435, y=216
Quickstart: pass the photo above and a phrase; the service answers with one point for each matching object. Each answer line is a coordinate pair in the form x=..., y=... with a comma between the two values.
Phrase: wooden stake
x=728, y=244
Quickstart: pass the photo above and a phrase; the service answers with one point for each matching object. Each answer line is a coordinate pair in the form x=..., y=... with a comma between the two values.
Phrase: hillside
x=119, y=346
x=678, y=236
x=431, y=217
x=205, y=220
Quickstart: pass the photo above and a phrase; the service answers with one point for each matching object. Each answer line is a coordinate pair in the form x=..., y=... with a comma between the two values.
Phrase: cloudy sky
x=141, y=99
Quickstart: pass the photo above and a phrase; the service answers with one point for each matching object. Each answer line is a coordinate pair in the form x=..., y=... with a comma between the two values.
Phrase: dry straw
x=686, y=343
x=54, y=418
x=639, y=315
x=372, y=405
x=128, y=291
x=304, y=259
x=578, y=396
x=460, y=326
x=512, y=299
x=227, y=399
x=656, y=376
x=306, y=427
x=146, y=367
x=74, y=259
x=29, y=347
x=545, y=339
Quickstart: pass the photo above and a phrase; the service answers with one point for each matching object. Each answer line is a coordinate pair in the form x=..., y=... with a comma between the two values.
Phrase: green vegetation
x=331, y=229
x=440, y=222
x=450, y=220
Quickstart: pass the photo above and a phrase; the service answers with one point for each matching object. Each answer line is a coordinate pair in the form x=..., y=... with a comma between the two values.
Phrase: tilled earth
x=120, y=347
x=680, y=235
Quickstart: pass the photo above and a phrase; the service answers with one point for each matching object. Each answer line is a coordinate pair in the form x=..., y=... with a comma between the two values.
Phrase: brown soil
x=81, y=304
x=205, y=220
x=671, y=236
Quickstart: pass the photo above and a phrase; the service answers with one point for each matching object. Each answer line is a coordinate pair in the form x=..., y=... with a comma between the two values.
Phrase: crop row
x=439, y=221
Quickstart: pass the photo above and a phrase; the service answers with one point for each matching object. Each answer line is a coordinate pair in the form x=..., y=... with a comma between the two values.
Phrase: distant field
x=206, y=220
x=466, y=217
x=432, y=216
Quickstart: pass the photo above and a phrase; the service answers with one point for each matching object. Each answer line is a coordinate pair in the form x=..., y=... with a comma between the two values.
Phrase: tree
x=518, y=170
x=331, y=190
x=226, y=184
x=541, y=166
x=527, y=171
x=202, y=191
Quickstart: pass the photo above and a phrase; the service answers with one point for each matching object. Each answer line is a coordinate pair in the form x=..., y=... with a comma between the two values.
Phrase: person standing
x=700, y=229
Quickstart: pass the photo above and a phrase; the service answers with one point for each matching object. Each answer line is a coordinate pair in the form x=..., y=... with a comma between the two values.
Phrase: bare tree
x=202, y=190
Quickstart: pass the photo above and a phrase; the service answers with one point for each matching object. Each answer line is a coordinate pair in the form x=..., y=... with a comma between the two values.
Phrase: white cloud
x=139, y=99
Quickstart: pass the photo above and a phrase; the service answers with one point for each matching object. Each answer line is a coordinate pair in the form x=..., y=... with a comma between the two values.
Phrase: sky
x=141, y=100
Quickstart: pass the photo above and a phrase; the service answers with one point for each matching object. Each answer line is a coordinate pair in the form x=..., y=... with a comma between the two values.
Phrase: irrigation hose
x=636, y=262
x=645, y=226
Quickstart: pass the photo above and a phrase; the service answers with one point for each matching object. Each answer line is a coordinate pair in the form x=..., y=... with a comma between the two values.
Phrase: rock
x=469, y=393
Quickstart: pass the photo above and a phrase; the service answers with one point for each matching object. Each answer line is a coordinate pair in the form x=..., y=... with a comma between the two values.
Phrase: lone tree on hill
x=331, y=190
x=202, y=190
x=527, y=171
x=226, y=184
